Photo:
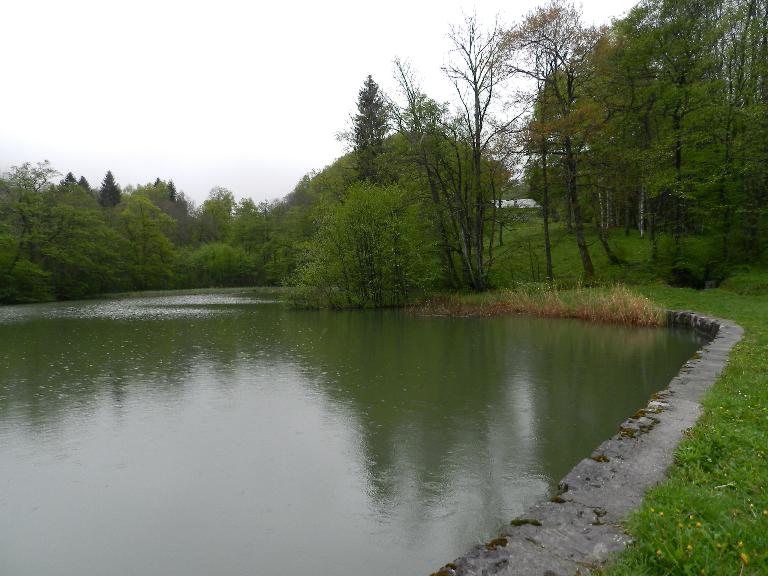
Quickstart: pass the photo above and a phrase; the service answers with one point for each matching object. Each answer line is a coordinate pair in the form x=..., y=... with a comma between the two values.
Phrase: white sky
x=246, y=95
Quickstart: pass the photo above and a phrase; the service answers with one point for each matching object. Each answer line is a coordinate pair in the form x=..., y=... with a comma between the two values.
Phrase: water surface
x=227, y=434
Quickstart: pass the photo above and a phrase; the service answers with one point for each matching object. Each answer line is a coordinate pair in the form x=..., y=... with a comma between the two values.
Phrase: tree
x=109, y=194
x=83, y=183
x=215, y=215
x=26, y=200
x=151, y=254
x=171, y=188
x=68, y=179
x=370, y=126
x=29, y=179
x=554, y=35
x=419, y=120
x=478, y=73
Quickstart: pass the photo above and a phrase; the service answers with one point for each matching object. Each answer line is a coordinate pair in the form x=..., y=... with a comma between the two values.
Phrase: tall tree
x=554, y=34
x=214, y=219
x=420, y=121
x=83, y=183
x=478, y=73
x=171, y=189
x=370, y=126
x=152, y=253
x=109, y=194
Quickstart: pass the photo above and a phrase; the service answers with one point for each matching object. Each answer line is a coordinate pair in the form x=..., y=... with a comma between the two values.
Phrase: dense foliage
x=656, y=126
x=368, y=251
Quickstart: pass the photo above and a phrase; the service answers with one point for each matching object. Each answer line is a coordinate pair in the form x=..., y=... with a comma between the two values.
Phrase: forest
x=643, y=143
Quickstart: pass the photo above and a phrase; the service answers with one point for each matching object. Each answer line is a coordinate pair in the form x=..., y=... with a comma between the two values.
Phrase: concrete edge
x=575, y=531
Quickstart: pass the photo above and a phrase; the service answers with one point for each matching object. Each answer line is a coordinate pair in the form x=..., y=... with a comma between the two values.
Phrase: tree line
x=655, y=127
x=64, y=240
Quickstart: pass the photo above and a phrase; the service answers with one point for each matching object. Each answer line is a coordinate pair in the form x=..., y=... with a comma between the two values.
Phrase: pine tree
x=370, y=126
x=83, y=183
x=109, y=195
x=171, y=191
x=68, y=179
x=157, y=182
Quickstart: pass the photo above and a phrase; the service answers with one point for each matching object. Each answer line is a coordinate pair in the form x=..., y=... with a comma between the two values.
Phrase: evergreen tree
x=68, y=179
x=171, y=191
x=83, y=183
x=109, y=194
x=157, y=182
x=370, y=126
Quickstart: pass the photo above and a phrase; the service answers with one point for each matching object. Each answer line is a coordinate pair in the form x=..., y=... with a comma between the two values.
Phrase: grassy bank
x=711, y=516
x=614, y=305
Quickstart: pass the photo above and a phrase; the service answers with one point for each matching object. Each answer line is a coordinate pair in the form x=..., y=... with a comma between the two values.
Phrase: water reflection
x=291, y=441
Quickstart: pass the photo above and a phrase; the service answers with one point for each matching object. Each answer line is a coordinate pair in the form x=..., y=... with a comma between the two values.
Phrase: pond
x=225, y=433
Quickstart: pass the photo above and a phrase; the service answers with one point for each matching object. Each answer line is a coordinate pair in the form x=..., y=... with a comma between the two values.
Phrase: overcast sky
x=241, y=94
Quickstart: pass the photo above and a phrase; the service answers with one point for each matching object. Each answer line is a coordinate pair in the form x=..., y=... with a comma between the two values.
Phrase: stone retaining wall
x=576, y=530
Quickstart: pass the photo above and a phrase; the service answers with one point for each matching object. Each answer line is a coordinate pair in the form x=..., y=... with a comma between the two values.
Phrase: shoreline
x=580, y=527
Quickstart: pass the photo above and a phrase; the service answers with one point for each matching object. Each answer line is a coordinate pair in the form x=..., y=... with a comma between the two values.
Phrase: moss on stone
x=525, y=521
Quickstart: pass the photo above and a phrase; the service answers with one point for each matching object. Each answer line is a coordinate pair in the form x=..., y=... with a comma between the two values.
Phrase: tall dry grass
x=613, y=305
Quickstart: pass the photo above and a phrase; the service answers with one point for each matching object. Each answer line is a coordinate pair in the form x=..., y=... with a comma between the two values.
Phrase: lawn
x=711, y=515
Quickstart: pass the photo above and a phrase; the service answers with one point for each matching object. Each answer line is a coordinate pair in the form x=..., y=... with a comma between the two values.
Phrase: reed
x=611, y=305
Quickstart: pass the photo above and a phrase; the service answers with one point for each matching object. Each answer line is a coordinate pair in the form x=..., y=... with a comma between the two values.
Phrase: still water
x=228, y=434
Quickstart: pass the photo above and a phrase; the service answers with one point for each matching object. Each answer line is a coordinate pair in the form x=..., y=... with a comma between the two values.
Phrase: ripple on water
x=149, y=308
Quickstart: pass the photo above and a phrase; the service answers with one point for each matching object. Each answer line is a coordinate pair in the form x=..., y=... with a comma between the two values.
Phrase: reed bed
x=611, y=305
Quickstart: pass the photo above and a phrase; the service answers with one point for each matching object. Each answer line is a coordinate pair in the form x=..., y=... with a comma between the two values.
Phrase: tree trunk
x=479, y=197
x=678, y=200
x=570, y=160
x=603, y=237
x=449, y=272
x=545, y=209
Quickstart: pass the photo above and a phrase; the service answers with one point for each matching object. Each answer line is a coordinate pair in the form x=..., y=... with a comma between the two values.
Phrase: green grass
x=711, y=515
x=521, y=257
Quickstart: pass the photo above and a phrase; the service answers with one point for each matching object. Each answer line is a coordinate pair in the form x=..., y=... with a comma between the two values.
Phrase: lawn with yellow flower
x=711, y=515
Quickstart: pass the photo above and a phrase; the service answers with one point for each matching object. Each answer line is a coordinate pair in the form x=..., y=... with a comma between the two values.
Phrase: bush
x=27, y=282
x=690, y=262
x=218, y=264
x=368, y=251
